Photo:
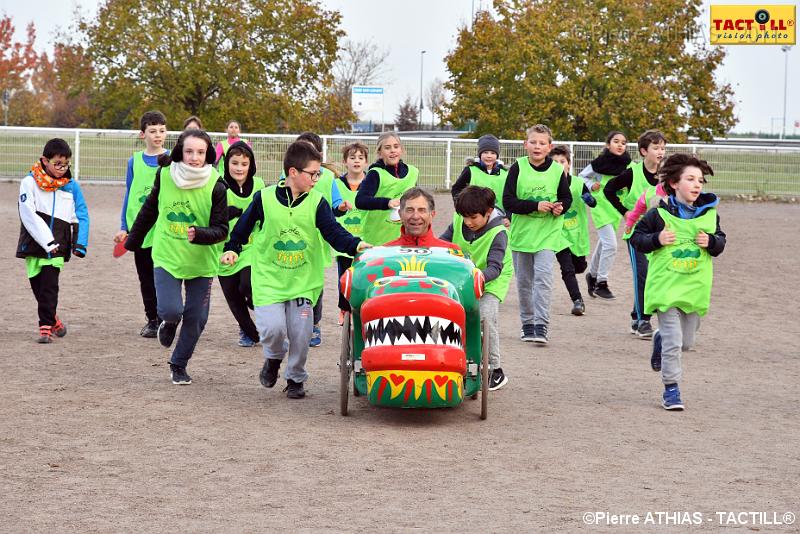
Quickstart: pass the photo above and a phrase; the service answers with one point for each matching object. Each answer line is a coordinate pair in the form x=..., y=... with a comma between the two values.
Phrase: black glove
x=79, y=251
x=589, y=200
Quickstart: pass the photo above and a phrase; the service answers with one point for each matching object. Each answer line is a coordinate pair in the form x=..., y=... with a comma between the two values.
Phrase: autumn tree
x=587, y=67
x=436, y=98
x=407, y=116
x=266, y=63
x=17, y=63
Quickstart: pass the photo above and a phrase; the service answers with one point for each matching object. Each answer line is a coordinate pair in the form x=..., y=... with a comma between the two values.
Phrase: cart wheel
x=484, y=375
x=345, y=366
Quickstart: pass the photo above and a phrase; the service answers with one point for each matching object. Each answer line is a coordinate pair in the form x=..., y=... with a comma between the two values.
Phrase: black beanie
x=488, y=142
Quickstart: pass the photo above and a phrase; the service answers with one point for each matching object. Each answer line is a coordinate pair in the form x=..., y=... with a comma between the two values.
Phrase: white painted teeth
x=412, y=330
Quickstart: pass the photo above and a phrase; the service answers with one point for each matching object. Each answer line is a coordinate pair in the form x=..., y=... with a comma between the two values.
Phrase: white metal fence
x=101, y=156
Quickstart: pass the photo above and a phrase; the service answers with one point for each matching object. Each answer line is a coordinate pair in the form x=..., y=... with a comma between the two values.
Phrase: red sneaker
x=59, y=329
x=45, y=335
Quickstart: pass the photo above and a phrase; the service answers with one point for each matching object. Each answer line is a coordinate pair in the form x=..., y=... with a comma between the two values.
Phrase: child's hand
x=229, y=258
x=558, y=208
x=120, y=236
x=362, y=246
x=665, y=237
x=544, y=206
x=394, y=203
x=595, y=186
x=701, y=239
x=345, y=206
x=628, y=229
x=191, y=233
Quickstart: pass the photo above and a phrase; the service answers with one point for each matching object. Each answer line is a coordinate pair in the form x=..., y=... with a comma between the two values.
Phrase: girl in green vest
x=233, y=129
x=240, y=170
x=288, y=262
x=479, y=230
x=536, y=195
x=486, y=171
x=379, y=195
x=572, y=259
x=355, y=161
x=188, y=211
x=141, y=174
x=632, y=183
x=681, y=236
x=611, y=162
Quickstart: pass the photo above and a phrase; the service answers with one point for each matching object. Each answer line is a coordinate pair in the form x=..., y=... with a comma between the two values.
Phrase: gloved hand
x=589, y=200
x=79, y=251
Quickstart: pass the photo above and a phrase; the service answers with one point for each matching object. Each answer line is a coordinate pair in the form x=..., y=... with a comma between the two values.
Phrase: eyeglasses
x=313, y=175
x=59, y=166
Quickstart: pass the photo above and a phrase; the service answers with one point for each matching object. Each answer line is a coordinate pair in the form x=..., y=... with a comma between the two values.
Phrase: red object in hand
x=119, y=249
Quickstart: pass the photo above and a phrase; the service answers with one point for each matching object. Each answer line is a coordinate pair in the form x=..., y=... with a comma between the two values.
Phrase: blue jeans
x=194, y=312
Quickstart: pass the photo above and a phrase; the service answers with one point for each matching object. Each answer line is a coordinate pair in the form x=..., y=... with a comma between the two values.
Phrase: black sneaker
x=602, y=291
x=150, y=329
x=269, y=372
x=591, y=284
x=655, y=356
x=578, y=307
x=294, y=390
x=528, y=332
x=540, y=335
x=645, y=330
x=179, y=375
x=166, y=333
x=497, y=380
x=634, y=327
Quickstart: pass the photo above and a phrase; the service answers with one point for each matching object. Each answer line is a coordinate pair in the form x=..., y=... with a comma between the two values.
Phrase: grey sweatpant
x=490, y=307
x=604, y=252
x=677, y=331
x=534, y=284
x=286, y=321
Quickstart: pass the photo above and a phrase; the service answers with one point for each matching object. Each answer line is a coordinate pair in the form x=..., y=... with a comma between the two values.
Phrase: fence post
x=447, y=164
x=325, y=148
x=694, y=149
x=76, y=166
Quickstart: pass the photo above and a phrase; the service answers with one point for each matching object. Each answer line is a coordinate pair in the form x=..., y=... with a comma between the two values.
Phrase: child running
x=611, y=162
x=486, y=171
x=355, y=161
x=50, y=202
x=239, y=177
x=379, y=195
x=188, y=210
x=479, y=230
x=288, y=262
x=139, y=178
x=234, y=130
x=683, y=234
x=572, y=259
x=635, y=180
x=536, y=195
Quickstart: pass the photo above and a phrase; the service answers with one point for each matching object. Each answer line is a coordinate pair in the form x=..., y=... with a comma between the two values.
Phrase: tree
x=358, y=63
x=406, y=119
x=17, y=61
x=436, y=98
x=263, y=62
x=587, y=67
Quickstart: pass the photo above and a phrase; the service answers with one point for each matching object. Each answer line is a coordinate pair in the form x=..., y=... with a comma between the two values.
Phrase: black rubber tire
x=345, y=366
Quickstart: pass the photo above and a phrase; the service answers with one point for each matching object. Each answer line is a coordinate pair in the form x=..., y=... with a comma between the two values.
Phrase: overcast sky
x=408, y=27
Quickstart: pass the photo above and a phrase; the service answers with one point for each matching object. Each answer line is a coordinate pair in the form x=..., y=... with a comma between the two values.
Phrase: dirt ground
x=95, y=438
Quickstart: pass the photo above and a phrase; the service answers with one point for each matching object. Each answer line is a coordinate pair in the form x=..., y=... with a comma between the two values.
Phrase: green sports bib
x=638, y=185
x=353, y=220
x=378, y=227
x=495, y=182
x=604, y=212
x=143, y=177
x=478, y=251
x=576, y=222
x=537, y=231
x=244, y=256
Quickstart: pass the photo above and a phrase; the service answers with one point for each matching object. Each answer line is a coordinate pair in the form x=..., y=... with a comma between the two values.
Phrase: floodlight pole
x=421, y=56
x=785, y=49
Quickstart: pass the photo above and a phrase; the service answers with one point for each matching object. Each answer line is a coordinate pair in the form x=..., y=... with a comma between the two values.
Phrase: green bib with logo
x=604, y=212
x=352, y=221
x=478, y=252
x=537, y=231
x=143, y=177
x=576, y=222
x=378, y=227
x=680, y=274
x=287, y=261
x=178, y=209
x=244, y=256
x=495, y=182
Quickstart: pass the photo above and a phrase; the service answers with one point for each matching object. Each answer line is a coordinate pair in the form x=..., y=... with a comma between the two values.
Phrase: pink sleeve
x=633, y=216
x=219, y=151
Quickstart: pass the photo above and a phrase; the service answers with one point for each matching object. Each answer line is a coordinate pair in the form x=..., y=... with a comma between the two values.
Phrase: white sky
x=409, y=26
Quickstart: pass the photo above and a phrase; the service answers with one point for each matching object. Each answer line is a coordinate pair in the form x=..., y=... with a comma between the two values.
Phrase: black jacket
x=645, y=233
x=366, y=199
x=621, y=182
x=215, y=232
x=465, y=177
x=520, y=206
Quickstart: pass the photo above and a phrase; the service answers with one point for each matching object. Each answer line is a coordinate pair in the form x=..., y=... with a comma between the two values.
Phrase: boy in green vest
x=572, y=259
x=635, y=180
x=536, y=195
x=486, y=171
x=288, y=262
x=479, y=230
x=142, y=167
x=682, y=235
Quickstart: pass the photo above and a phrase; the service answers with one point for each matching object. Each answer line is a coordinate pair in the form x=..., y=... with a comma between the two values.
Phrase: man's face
x=416, y=216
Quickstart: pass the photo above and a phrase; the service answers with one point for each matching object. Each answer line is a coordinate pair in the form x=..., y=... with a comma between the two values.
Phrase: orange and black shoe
x=45, y=334
x=59, y=329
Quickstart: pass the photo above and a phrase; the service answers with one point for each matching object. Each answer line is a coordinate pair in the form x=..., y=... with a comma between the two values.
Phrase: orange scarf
x=45, y=181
